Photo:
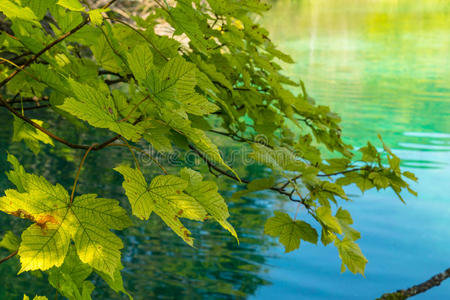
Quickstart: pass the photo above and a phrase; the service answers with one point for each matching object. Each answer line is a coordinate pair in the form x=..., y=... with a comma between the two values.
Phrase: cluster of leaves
x=217, y=72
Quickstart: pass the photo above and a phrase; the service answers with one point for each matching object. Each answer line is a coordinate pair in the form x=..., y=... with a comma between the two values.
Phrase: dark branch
x=324, y=175
x=35, y=107
x=434, y=281
x=24, y=100
x=239, y=138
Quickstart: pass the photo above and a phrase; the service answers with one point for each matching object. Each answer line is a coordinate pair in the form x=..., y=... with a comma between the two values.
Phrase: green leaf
x=369, y=153
x=43, y=248
x=87, y=221
x=278, y=158
x=164, y=195
x=103, y=53
x=10, y=241
x=157, y=135
x=361, y=180
x=115, y=282
x=197, y=104
x=173, y=82
x=334, y=188
x=96, y=244
x=379, y=180
x=184, y=19
x=98, y=110
x=345, y=220
x=25, y=297
x=351, y=255
x=18, y=174
x=394, y=163
x=256, y=185
x=410, y=175
x=207, y=196
x=325, y=216
x=69, y=279
x=327, y=237
x=96, y=17
x=290, y=232
x=197, y=136
x=40, y=7
x=74, y=5
x=140, y=62
x=106, y=212
x=29, y=134
x=13, y=11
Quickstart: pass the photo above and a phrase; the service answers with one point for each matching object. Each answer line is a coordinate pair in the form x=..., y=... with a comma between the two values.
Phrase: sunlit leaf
x=290, y=231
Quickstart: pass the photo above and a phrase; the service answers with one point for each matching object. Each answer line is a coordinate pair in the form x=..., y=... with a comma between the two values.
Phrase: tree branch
x=434, y=281
x=324, y=175
x=35, y=107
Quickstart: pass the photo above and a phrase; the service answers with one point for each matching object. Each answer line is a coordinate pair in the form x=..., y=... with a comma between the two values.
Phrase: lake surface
x=384, y=66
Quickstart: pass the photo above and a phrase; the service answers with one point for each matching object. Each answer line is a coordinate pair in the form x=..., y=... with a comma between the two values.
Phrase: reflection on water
x=157, y=263
x=383, y=65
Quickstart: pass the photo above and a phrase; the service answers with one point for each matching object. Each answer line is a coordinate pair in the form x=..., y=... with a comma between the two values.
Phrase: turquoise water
x=384, y=66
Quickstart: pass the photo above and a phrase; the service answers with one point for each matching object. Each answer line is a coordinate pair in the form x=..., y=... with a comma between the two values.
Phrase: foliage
x=217, y=73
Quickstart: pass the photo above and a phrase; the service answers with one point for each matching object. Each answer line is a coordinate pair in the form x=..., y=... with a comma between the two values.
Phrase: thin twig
x=133, y=109
x=36, y=107
x=238, y=138
x=33, y=100
x=143, y=152
x=9, y=257
x=79, y=171
x=324, y=175
x=18, y=68
x=132, y=153
x=296, y=211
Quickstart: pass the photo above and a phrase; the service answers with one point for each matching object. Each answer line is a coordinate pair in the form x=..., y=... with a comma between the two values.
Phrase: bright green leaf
x=351, y=255
x=31, y=135
x=290, y=232
x=74, y=5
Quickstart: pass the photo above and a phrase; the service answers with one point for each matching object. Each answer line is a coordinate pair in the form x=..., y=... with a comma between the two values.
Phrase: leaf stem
x=132, y=153
x=79, y=171
x=133, y=109
x=9, y=257
x=143, y=152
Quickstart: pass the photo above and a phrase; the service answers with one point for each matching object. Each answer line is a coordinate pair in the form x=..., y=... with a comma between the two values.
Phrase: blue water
x=384, y=66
